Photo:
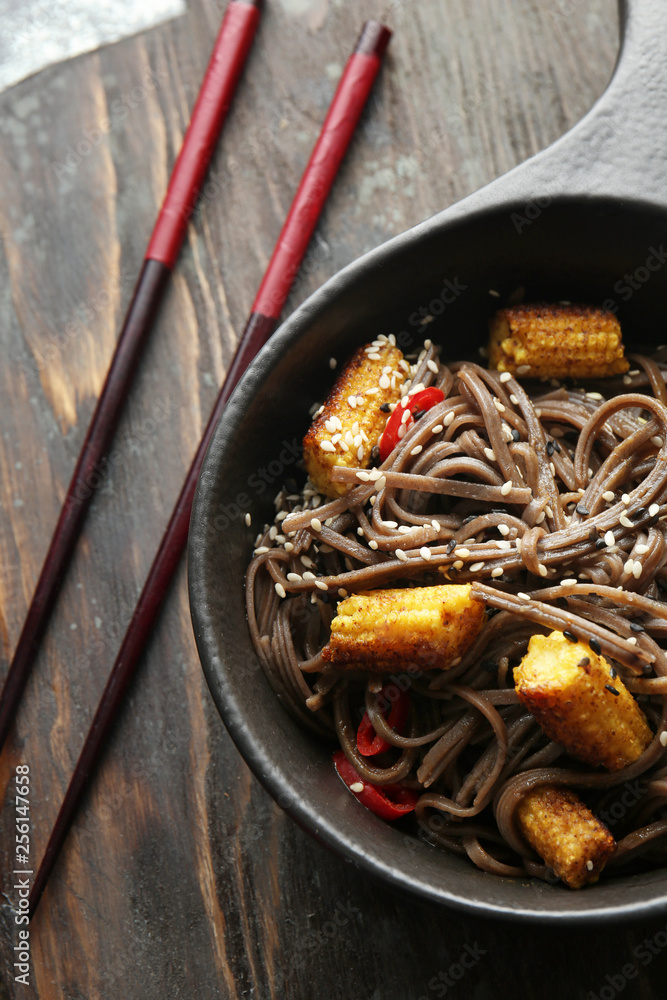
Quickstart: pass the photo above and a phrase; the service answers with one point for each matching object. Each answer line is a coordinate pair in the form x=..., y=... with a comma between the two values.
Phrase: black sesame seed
x=636, y=627
x=490, y=665
x=557, y=447
x=451, y=545
x=375, y=454
x=610, y=687
x=515, y=435
x=419, y=414
x=592, y=535
x=385, y=407
x=561, y=602
x=600, y=544
x=638, y=513
x=613, y=672
x=580, y=509
x=595, y=646
x=570, y=636
x=584, y=662
x=550, y=448
x=468, y=519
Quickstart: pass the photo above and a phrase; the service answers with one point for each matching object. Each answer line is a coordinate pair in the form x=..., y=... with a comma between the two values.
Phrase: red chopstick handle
x=348, y=103
x=224, y=69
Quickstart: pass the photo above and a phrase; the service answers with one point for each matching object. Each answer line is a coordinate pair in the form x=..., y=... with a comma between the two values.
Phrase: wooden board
x=181, y=877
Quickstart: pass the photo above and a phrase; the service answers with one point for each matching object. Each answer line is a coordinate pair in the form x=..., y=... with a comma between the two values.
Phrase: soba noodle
x=577, y=485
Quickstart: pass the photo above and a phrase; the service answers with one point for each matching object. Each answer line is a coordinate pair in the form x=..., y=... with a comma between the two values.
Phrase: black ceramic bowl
x=585, y=221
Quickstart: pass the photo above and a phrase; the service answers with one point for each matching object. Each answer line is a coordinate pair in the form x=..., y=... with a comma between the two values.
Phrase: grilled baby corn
x=430, y=627
x=565, y=834
x=579, y=701
x=352, y=420
x=558, y=341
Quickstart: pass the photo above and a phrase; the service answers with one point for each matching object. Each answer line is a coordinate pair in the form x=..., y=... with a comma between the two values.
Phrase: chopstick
x=337, y=130
x=230, y=51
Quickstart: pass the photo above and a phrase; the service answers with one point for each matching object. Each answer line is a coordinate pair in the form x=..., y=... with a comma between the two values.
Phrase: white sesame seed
x=626, y=380
x=506, y=487
x=502, y=543
x=503, y=529
x=463, y=553
x=261, y=550
x=327, y=446
x=432, y=366
x=548, y=511
x=436, y=525
x=372, y=392
x=542, y=570
x=637, y=569
x=405, y=416
x=308, y=575
x=498, y=405
x=497, y=571
x=629, y=565
x=288, y=546
x=458, y=564
x=552, y=468
x=330, y=426
x=505, y=376
x=352, y=400
x=475, y=568
x=493, y=292
x=589, y=865
x=384, y=382
x=400, y=554
x=248, y=520
x=357, y=787
x=321, y=585
x=425, y=552
x=372, y=544
x=417, y=448
x=349, y=439
x=280, y=590
x=663, y=738
x=513, y=400
x=608, y=495
x=374, y=356
x=437, y=429
x=381, y=483
x=490, y=454
x=632, y=639
x=360, y=452
x=523, y=369
x=294, y=577
x=400, y=433
x=517, y=544
x=390, y=524
x=316, y=524
x=449, y=419
x=657, y=441
x=273, y=531
x=363, y=476
x=641, y=549
x=594, y=395
x=609, y=537
x=568, y=581
x=625, y=521
x=522, y=596
x=654, y=509
x=625, y=499
x=392, y=339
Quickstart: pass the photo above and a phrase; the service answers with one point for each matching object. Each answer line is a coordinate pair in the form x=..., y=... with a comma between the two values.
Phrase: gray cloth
x=38, y=33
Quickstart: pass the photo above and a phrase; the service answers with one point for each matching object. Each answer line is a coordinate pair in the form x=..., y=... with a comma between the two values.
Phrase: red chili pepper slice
x=368, y=742
x=423, y=400
x=374, y=797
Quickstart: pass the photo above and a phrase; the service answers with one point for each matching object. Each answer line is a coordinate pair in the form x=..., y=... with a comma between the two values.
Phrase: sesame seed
x=641, y=549
x=437, y=429
x=321, y=585
x=308, y=575
x=608, y=495
x=475, y=568
x=542, y=570
x=327, y=446
x=626, y=380
x=517, y=543
x=570, y=636
x=498, y=405
x=594, y=395
x=657, y=441
x=400, y=554
x=632, y=640
x=449, y=419
x=372, y=356
x=595, y=646
x=372, y=544
x=463, y=553
x=568, y=581
x=405, y=529
x=417, y=448
x=609, y=537
x=436, y=525
x=458, y=564
x=352, y=400
x=625, y=499
x=288, y=546
x=513, y=400
x=316, y=524
x=497, y=571
x=280, y=590
x=502, y=543
x=503, y=529
x=273, y=531
x=342, y=592
x=490, y=454
x=248, y=520
x=538, y=520
x=654, y=509
x=506, y=487
x=589, y=865
x=584, y=662
x=505, y=376
x=381, y=483
x=523, y=369
x=425, y=552
x=294, y=577
x=363, y=476
x=261, y=550
x=384, y=382
x=637, y=569
x=583, y=510
x=628, y=566
x=432, y=366
x=663, y=738
x=612, y=689
x=405, y=416
x=550, y=447
x=625, y=521
x=357, y=787
x=522, y=596
x=360, y=452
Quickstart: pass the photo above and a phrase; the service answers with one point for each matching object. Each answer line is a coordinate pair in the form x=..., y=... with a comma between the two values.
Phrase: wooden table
x=181, y=876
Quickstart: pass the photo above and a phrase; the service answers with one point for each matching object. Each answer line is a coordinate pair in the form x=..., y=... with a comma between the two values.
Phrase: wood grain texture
x=181, y=877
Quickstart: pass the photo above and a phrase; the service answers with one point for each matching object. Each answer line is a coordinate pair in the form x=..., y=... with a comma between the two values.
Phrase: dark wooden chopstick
x=337, y=130
x=222, y=75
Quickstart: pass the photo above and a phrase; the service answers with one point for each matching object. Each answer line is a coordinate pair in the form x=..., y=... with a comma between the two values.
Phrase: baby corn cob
x=580, y=702
x=565, y=834
x=579, y=341
x=352, y=422
x=430, y=627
